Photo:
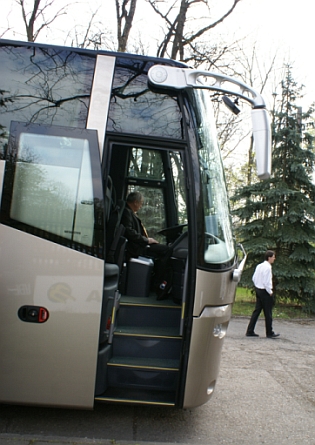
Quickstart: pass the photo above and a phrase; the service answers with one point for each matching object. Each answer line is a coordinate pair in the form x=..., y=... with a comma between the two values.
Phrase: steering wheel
x=172, y=233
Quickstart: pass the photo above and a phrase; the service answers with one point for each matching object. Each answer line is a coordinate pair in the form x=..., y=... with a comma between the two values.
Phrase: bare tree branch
x=175, y=34
x=124, y=21
x=30, y=18
x=212, y=25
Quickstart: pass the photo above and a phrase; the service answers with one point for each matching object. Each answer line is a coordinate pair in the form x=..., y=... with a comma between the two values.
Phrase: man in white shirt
x=262, y=280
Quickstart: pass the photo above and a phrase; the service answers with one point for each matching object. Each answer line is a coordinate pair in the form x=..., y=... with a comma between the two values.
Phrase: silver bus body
x=74, y=330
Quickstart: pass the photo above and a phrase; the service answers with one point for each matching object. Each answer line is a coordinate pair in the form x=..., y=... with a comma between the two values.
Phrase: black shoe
x=248, y=334
x=273, y=335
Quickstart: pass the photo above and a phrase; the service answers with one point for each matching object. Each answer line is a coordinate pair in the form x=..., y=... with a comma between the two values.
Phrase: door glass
x=52, y=186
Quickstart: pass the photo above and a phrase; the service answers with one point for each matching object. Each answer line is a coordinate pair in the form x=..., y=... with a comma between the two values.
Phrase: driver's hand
x=152, y=241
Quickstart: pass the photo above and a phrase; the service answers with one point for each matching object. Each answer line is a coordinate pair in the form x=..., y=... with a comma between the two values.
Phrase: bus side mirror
x=262, y=142
x=237, y=273
x=181, y=78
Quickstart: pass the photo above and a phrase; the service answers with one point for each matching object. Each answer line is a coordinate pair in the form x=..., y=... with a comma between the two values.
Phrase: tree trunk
x=124, y=22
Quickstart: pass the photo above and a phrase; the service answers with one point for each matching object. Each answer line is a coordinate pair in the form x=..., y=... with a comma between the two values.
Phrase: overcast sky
x=286, y=25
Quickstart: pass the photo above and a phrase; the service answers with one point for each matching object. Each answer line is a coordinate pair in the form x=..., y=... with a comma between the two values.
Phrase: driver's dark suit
x=138, y=244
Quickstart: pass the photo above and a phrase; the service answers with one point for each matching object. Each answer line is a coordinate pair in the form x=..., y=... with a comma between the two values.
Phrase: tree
x=235, y=132
x=256, y=74
x=176, y=39
x=177, y=36
x=91, y=35
x=124, y=21
x=38, y=11
x=279, y=213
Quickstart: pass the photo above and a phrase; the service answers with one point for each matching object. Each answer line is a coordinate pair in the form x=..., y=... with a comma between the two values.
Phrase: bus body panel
x=208, y=332
x=213, y=289
x=101, y=134
x=51, y=362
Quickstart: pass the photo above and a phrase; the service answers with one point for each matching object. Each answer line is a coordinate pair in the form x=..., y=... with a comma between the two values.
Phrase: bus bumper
x=208, y=332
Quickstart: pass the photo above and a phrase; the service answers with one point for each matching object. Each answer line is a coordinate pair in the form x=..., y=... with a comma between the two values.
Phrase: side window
x=52, y=185
x=135, y=109
x=49, y=86
x=152, y=213
x=159, y=176
x=146, y=174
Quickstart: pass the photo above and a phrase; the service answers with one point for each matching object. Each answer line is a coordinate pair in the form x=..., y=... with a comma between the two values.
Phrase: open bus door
x=51, y=266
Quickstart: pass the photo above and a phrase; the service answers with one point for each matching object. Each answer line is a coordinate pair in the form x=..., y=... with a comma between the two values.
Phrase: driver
x=139, y=243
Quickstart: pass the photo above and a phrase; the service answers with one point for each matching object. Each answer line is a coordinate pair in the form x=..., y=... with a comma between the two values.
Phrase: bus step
x=138, y=315
x=149, y=346
x=145, y=363
x=150, y=301
x=142, y=378
x=137, y=312
x=137, y=396
x=148, y=331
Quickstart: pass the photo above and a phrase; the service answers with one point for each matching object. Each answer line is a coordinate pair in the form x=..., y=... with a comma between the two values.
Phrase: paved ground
x=265, y=395
x=273, y=384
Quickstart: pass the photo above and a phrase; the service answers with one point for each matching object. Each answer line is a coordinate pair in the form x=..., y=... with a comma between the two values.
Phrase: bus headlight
x=210, y=388
x=219, y=330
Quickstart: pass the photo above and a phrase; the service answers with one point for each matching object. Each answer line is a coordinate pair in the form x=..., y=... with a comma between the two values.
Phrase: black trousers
x=264, y=302
x=162, y=267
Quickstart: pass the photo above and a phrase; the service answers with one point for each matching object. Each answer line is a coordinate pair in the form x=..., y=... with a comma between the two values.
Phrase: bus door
x=51, y=266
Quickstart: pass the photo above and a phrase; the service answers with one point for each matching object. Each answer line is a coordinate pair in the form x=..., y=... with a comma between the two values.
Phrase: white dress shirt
x=262, y=277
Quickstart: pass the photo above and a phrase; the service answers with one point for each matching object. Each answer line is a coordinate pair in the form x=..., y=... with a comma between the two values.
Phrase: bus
x=79, y=323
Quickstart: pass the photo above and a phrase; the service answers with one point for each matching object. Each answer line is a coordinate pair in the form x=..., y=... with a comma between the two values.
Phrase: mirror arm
x=237, y=273
x=180, y=78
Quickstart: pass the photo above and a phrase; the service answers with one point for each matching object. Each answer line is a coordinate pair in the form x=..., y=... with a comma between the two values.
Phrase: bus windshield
x=219, y=245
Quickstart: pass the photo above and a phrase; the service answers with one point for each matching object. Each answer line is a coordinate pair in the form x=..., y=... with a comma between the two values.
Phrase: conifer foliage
x=279, y=214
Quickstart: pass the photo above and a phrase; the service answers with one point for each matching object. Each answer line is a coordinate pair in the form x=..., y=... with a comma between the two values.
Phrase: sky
x=286, y=25
x=282, y=25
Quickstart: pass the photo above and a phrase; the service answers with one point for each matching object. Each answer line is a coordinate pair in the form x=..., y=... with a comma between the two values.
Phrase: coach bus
x=79, y=323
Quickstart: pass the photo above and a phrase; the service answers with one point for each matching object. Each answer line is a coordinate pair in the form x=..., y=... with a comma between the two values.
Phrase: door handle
x=33, y=314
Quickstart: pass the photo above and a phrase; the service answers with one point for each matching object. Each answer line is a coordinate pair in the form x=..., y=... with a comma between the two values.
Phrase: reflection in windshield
x=134, y=108
x=219, y=246
x=48, y=86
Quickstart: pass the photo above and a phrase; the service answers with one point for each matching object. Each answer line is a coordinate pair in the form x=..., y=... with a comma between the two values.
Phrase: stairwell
x=144, y=361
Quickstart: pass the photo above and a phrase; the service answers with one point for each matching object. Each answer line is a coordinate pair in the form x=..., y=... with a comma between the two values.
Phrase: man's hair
x=269, y=254
x=135, y=197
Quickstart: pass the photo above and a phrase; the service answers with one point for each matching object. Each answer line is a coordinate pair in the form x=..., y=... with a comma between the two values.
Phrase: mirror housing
x=262, y=142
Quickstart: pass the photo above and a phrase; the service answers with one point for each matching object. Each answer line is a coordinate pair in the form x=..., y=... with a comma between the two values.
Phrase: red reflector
x=109, y=322
x=43, y=315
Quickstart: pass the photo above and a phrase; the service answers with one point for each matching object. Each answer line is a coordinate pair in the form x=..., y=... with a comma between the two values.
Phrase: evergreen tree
x=279, y=213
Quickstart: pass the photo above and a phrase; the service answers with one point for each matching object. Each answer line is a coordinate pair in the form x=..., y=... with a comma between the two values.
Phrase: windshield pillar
x=216, y=248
